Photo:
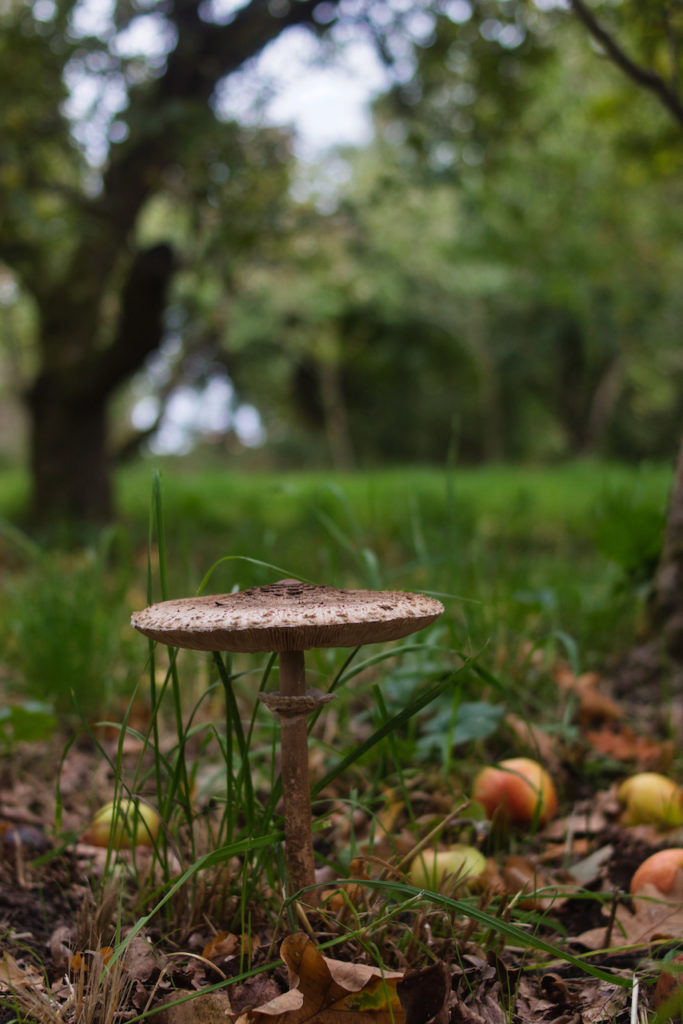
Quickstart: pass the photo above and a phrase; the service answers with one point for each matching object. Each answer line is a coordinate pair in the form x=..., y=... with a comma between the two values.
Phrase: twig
x=642, y=76
x=634, y=1000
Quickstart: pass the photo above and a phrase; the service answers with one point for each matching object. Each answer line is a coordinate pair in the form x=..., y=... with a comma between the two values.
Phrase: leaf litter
x=568, y=884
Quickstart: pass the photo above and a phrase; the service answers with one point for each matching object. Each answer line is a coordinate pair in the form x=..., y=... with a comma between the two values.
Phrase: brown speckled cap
x=286, y=616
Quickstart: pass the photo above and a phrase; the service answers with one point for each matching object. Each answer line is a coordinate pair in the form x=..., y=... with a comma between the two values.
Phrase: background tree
x=479, y=281
x=644, y=42
x=72, y=230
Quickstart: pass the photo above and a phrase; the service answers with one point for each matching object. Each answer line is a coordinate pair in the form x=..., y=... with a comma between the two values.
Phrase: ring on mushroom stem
x=289, y=618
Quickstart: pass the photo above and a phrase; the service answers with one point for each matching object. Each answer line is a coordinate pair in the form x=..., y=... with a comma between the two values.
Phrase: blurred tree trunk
x=70, y=459
x=657, y=656
x=602, y=406
x=101, y=307
x=335, y=415
x=665, y=606
x=70, y=465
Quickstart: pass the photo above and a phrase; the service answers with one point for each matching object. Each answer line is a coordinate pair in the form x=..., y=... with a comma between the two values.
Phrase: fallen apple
x=450, y=868
x=123, y=824
x=650, y=798
x=518, y=790
x=659, y=870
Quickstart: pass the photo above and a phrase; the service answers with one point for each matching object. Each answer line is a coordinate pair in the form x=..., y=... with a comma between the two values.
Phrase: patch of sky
x=193, y=414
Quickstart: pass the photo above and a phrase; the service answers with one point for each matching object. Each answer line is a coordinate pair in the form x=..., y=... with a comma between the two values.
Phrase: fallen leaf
x=14, y=975
x=530, y=884
x=423, y=994
x=330, y=991
x=543, y=745
x=624, y=744
x=652, y=918
x=335, y=992
x=78, y=961
x=203, y=1008
x=668, y=994
x=221, y=945
x=349, y=895
x=594, y=706
x=588, y=870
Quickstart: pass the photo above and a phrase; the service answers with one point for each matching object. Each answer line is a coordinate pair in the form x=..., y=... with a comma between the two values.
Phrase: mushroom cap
x=286, y=616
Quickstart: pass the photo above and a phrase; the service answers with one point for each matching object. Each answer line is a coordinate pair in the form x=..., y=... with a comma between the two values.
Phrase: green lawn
x=520, y=555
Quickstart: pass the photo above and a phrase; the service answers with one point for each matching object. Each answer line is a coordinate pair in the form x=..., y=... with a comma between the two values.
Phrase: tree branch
x=640, y=75
x=141, y=321
x=158, y=115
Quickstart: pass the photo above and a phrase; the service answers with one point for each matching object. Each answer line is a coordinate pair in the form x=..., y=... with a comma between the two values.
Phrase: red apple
x=651, y=798
x=519, y=790
x=659, y=870
x=449, y=869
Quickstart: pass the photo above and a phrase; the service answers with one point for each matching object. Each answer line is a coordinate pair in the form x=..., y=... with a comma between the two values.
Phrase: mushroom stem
x=296, y=792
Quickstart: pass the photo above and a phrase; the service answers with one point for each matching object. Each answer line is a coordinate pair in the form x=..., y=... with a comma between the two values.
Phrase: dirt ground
x=51, y=910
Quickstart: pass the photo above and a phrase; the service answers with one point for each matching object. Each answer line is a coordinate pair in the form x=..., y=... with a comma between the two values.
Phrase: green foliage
x=38, y=165
x=29, y=722
x=64, y=631
x=481, y=285
x=471, y=282
x=509, y=553
x=215, y=781
x=458, y=725
x=629, y=531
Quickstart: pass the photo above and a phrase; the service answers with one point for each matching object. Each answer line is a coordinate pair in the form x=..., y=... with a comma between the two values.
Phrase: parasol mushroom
x=287, y=618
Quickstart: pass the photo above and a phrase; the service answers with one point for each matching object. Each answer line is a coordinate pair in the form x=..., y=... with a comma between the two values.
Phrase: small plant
x=65, y=613
x=97, y=987
x=628, y=530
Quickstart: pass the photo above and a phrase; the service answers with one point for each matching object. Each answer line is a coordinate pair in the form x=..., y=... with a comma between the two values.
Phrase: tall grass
x=523, y=556
x=230, y=835
x=520, y=561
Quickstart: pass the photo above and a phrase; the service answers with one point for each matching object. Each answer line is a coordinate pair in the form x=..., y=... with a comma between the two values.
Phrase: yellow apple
x=447, y=869
x=123, y=824
x=518, y=790
x=651, y=798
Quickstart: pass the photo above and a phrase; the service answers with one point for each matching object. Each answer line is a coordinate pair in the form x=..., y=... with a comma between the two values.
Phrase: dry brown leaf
x=335, y=992
x=204, y=1008
x=331, y=991
x=424, y=994
x=345, y=896
x=653, y=917
x=593, y=705
x=79, y=962
x=221, y=945
x=531, y=736
x=481, y=1007
x=623, y=744
x=15, y=976
x=59, y=946
x=668, y=994
x=587, y=817
x=141, y=961
x=525, y=880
